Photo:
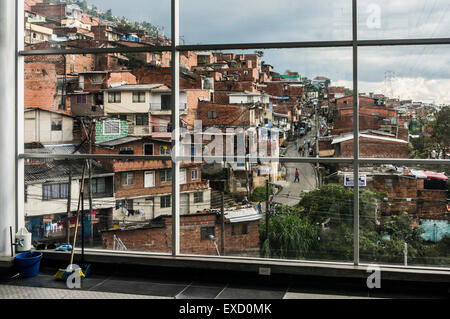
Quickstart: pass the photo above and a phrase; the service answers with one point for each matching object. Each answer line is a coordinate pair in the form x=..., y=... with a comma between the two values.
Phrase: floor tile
x=200, y=292
x=139, y=288
x=252, y=293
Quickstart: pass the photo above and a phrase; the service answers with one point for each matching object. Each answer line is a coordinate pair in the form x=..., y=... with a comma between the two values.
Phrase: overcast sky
x=418, y=73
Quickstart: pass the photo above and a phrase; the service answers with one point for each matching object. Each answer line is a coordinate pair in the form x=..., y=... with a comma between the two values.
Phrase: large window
x=111, y=127
x=138, y=97
x=352, y=94
x=114, y=97
x=55, y=191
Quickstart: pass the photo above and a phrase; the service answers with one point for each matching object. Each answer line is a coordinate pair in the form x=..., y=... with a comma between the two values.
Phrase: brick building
x=145, y=186
x=371, y=146
x=241, y=236
x=422, y=194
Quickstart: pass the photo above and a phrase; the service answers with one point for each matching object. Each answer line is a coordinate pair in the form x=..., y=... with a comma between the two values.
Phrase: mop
x=63, y=274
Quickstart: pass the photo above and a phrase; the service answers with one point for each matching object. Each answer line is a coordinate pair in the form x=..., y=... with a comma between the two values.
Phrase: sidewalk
x=290, y=194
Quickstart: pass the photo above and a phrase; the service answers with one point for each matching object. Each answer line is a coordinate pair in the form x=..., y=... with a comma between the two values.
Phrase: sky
x=419, y=73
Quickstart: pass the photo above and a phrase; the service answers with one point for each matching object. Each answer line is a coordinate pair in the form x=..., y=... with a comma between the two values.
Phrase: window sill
x=249, y=265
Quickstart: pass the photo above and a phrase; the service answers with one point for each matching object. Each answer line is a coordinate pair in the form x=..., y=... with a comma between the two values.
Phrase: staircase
x=216, y=200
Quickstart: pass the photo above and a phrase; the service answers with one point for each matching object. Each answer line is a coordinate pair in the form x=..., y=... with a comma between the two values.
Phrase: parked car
x=302, y=131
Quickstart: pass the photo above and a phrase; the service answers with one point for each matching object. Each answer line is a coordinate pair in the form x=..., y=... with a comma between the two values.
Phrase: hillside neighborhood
x=120, y=104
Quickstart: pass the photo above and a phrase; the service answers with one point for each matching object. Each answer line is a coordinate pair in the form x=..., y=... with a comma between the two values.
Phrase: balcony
x=158, y=108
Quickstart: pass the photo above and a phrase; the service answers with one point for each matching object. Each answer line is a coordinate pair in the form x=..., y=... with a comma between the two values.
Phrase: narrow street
x=290, y=194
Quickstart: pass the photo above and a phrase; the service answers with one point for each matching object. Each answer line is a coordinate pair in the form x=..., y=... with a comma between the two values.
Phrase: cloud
x=239, y=21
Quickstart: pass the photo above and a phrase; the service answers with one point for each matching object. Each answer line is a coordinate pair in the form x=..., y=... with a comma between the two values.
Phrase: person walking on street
x=297, y=176
x=260, y=208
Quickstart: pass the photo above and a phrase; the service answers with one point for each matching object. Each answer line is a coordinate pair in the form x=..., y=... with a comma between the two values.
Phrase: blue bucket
x=28, y=264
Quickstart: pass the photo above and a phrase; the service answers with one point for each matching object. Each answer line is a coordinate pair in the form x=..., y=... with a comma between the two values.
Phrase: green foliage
x=259, y=194
x=135, y=60
x=290, y=236
x=336, y=202
x=441, y=129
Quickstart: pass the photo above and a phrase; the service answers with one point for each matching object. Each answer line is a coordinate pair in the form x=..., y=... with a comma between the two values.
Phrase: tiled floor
x=124, y=287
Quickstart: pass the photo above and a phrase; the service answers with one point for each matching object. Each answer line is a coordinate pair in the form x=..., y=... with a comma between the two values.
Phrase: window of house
x=164, y=150
x=82, y=99
x=148, y=149
x=114, y=97
x=212, y=114
x=111, y=127
x=165, y=201
x=149, y=179
x=244, y=229
x=165, y=176
x=97, y=79
x=129, y=204
x=198, y=197
x=205, y=232
x=56, y=123
x=142, y=119
x=138, y=97
x=127, y=179
x=55, y=191
x=194, y=175
x=166, y=102
x=99, y=185
x=126, y=151
x=388, y=182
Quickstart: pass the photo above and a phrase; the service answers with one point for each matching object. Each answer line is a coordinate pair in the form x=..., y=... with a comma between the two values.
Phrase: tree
x=441, y=128
x=335, y=202
x=290, y=235
x=260, y=53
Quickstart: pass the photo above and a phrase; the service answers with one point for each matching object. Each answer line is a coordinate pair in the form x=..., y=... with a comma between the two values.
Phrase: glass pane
x=98, y=20
x=404, y=92
x=411, y=223
x=264, y=21
x=396, y=19
x=310, y=218
x=280, y=99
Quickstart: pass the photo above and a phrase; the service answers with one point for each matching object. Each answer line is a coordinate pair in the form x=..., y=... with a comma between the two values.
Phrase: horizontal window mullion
x=264, y=45
x=242, y=159
x=399, y=42
x=95, y=156
x=243, y=46
x=95, y=51
x=404, y=161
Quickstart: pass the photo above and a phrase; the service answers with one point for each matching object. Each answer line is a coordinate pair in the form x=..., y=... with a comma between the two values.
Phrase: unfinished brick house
x=87, y=98
x=241, y=236
x=370, y=145
x=423, y=194
x=144, y=187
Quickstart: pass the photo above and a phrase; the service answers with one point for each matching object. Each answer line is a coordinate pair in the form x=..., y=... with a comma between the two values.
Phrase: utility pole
x=222, y=223
x=267, y=212
x=317, y=145
x=91, y=212
x=69, y=198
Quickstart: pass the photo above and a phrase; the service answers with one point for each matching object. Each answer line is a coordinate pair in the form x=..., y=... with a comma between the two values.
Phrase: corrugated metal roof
x=374, y=137
x=58, y=171
x=135, y=87
x=119, y=141
x=240, y=215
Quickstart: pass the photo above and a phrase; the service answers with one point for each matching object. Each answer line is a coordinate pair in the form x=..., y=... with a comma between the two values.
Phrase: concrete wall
x=38, y=126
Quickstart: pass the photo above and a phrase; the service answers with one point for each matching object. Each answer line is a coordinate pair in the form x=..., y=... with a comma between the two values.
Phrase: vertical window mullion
x=175, y=7
x=355, y=135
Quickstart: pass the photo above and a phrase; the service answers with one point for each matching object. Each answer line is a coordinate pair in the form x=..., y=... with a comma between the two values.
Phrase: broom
x=63, y=274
